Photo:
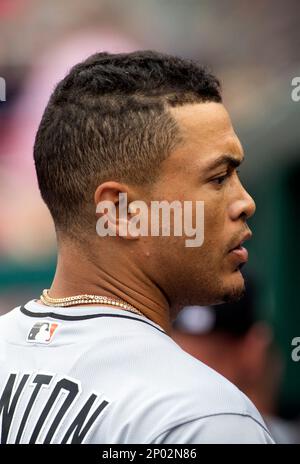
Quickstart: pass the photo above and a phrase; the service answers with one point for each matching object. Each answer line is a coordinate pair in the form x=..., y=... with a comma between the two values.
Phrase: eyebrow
x=230, y=160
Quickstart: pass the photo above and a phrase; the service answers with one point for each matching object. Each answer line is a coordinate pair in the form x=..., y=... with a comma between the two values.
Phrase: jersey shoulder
x=166, y=388
x=186, y=376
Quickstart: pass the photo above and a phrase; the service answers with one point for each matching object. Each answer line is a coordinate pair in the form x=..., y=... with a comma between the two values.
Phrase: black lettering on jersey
x=76, y=428
x=8, y=404
x=29, y=416
x=39, y=380
x=73, y=390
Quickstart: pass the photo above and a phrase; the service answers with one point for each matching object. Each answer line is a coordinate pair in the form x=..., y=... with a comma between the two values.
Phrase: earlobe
x=111, y=204
x=126, y=219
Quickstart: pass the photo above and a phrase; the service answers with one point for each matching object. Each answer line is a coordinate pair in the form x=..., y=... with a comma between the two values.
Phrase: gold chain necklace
x=86, y=299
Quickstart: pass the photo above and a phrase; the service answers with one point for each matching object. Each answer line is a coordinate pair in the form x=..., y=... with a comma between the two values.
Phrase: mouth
x=240, y=252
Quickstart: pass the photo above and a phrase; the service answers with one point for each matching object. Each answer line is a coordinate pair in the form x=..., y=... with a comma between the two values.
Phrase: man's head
x=150, y=125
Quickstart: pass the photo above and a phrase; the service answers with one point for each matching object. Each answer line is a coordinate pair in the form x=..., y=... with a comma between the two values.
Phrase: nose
x=244, y=206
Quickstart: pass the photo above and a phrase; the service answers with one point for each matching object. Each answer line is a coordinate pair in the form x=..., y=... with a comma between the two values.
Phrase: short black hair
x=108, y=119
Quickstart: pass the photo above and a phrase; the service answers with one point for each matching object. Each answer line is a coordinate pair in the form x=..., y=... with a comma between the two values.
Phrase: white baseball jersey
x=96, y=374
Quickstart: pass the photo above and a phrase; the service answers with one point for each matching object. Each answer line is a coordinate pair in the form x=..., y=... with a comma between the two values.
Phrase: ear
x=111, y=199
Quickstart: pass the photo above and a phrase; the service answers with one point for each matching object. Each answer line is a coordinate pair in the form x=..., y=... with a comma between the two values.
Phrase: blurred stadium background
x=252, y=46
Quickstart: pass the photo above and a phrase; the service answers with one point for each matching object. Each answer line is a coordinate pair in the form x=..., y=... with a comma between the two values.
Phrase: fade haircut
x=108, y=119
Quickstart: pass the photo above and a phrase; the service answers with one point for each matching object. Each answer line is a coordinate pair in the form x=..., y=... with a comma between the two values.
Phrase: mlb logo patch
x=42, y=332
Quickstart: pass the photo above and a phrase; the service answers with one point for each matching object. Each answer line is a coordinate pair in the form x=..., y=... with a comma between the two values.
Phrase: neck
x=77, y=274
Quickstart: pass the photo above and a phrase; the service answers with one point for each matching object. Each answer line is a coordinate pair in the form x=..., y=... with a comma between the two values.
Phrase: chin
x=234, y=289
x=229, y=289
x=219, y=288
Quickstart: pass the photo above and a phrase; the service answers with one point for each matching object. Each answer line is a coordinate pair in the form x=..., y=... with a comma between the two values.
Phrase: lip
x=243, y=239
x=241, y=253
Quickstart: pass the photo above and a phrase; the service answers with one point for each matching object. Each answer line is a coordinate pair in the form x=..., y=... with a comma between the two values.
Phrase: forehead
x=206, y=132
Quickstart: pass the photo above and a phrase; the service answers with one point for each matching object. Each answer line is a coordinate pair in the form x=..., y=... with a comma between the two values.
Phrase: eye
x=221, y=179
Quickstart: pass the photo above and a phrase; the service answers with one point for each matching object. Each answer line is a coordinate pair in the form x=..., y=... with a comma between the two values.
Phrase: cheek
x=214, y=223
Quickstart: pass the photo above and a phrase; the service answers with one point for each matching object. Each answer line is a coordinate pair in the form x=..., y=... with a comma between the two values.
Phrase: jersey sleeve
x=218, y=429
